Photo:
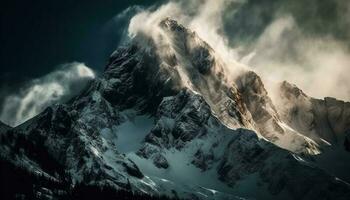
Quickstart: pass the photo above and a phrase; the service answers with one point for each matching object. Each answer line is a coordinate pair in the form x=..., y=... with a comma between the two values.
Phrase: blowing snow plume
x=281, y=40
x=58, y=86
x=318, y=65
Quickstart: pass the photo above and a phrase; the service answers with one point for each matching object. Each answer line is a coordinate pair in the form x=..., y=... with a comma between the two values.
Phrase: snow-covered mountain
x=170, y=117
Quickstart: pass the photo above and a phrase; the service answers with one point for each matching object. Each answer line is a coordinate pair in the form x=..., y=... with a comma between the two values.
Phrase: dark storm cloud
x=245, y=21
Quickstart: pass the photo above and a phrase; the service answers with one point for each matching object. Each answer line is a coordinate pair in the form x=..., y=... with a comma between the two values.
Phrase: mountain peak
x=172, y=25
x=167, y=118
x=291, y=89
x=180, y=59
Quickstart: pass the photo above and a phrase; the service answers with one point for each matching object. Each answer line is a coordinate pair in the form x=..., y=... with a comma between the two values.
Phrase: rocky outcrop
x=238, y=154
x=246, y=155
x=260, y=105
x=266, y=119
x=65, y=144
x=326, y=119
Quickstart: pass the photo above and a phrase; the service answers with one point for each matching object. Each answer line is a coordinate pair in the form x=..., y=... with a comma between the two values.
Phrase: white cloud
x=318, y=65
x=283, y=51
x=57, y=86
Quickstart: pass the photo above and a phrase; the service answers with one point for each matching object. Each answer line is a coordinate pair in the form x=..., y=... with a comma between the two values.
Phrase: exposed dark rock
x=202, y=59
x=203, y=160
x=160, y=161
x=132, y=169
x=347, y=141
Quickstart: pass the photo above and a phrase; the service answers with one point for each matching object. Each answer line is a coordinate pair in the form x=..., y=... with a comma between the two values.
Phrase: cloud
x=57, y=86
x=202, y=16
x=286, y=40
x=319, y=65
x=281, y=40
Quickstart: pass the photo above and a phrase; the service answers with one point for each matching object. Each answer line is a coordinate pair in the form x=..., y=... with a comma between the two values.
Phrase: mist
x=318, y=65
x=280, y=40
x=56, y=87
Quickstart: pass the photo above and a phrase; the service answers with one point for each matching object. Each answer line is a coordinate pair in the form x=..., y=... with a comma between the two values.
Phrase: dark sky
x=38, y=35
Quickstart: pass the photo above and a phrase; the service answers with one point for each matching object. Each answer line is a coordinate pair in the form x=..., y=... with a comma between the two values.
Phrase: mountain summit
x=169, y=118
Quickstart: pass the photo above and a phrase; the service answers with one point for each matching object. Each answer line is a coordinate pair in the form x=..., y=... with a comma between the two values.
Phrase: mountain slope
x=166, y=118
x=327, y=119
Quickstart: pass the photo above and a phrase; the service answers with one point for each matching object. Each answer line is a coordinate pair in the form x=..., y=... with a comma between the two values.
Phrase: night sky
x=36, y=36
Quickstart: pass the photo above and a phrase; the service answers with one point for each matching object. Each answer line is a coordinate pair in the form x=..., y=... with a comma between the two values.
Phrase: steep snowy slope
x=166, y=118
x=180, y=59
x=188, y=145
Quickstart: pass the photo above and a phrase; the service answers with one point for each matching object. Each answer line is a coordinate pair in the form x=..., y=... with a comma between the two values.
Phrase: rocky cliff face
x=166, y=118
x=327, y=119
